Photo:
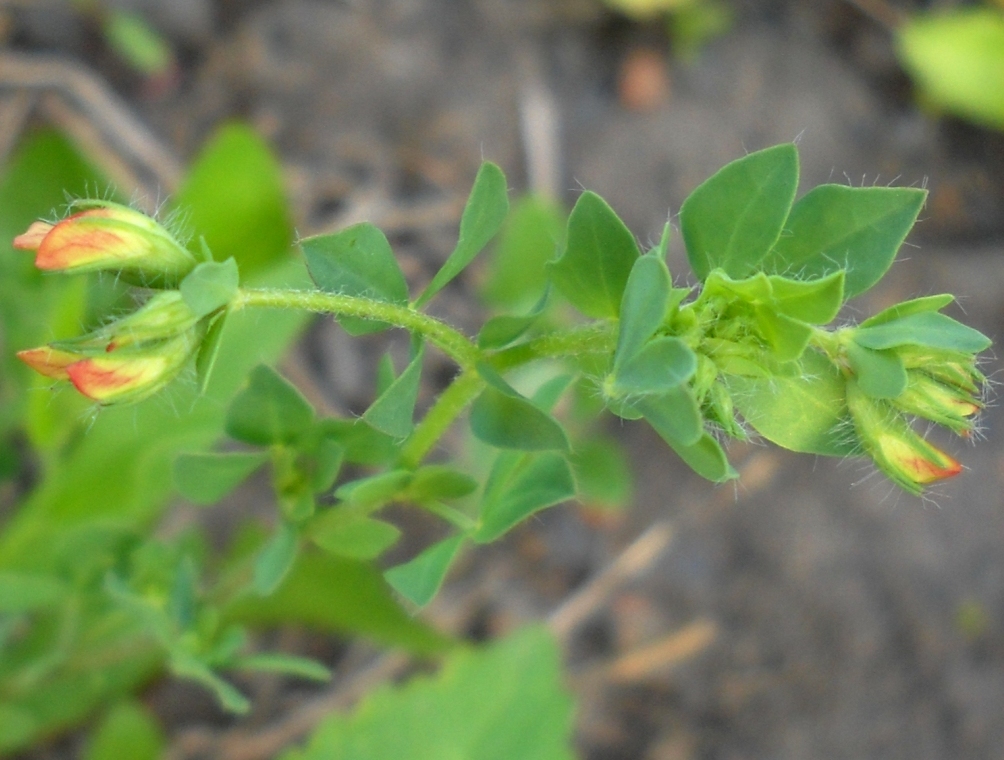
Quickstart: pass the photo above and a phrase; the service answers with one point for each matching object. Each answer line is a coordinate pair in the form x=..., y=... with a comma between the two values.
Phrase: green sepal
x=596, y=260
x=787, y=337
x=486, y=209
x=814, y=301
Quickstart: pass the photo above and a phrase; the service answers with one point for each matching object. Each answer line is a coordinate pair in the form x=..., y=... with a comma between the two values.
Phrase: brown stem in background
x=881, y=12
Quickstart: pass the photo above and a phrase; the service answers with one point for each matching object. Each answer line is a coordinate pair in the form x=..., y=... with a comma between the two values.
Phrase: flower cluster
x=936, y=380
x=135, y=356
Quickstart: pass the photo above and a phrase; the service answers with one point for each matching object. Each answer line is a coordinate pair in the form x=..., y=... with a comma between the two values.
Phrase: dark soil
x=852, y=621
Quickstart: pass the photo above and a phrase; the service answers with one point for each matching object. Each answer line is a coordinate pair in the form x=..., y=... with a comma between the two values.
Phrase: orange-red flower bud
x=903, y=455
x=107, y=236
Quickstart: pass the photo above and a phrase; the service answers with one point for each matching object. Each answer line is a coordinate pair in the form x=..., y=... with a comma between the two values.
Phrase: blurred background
x=810, y=610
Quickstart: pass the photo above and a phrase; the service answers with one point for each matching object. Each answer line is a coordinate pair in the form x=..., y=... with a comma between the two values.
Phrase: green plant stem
x=450, y=405
x=454, y=344
x=590, y=339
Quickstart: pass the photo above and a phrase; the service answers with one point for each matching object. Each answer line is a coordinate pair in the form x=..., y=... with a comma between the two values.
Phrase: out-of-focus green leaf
x=206, y=477
x=484, y=213
x=956, y=57
x=502, y=330
x=420, y=579
x=597, y=258
x=734, y=218
x=269, y=410
x=137, y=42
x=24, y=592
x=276, y=559
x=335, y=594
x=517, y=276
x=234, y=197
x=518, y=486
x=440, y=482
x=502, y=702
x=355, y=536
x=285, y=664
x=127, y=731
x=602, y=473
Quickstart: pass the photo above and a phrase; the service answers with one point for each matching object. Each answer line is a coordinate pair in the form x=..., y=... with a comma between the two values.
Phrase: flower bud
x=108, y=237
x=904, y=456
x=941, y=403
x=126, y=360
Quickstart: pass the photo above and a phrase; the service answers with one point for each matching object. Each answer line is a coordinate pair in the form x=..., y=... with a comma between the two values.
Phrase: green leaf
x=234, y=196
x=284, y=664
x=659, y=366
x=186, y=666
x=269, y=410
x=209, y=351
x=393, y=411
x=501, y=702
x=925, y=328
x=325, y=457
x=602, y=473
x=503, y=418
x=787, y=337
x=643, y=307
x=340, y=595
x=905, y=309
x=705, y=457
x=374, y=491
x=420, y=579
x=674, y=415
x=596, y=262
x=357, y=261
x=500, y=331
x=27, y=592
x=804, y=411
x=440, y=482
x=276, y=559
x=362, y=444
x=128, y=730
x=483, y=215
x=210, y=286
x=518, y=486
x=814, y=301
x=205, y=478
x=517, y=274
x=880, y=374
x=856, y=229
x=732, y=220
x=956, y=57
x=346, y=534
